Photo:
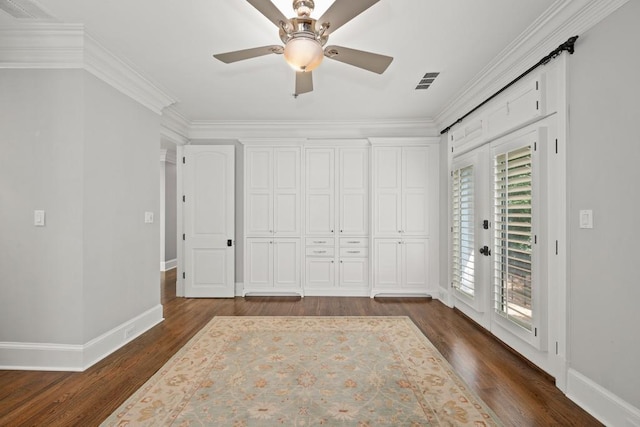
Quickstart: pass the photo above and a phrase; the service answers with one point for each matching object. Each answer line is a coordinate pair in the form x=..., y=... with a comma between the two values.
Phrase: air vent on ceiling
x=427, y=80
x=24, y=9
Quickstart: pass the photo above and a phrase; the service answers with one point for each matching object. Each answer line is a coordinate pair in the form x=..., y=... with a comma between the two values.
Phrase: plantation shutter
x=463, y=231
x=513, y=245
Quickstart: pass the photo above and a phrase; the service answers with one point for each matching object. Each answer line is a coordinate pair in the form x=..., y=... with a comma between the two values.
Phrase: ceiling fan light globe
x=303, y=53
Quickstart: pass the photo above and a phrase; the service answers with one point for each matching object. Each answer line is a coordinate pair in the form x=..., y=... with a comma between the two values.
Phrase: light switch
x=586, y=218
x=148, y=217
x=38, y=218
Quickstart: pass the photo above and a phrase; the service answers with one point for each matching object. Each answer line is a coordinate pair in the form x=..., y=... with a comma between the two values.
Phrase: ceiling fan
x=305, y=37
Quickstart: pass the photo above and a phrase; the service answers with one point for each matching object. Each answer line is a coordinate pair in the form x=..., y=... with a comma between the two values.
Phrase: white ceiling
x=171, y=43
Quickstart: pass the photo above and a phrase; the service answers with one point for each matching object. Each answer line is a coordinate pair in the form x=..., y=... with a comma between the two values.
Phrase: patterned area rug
x=305, y=371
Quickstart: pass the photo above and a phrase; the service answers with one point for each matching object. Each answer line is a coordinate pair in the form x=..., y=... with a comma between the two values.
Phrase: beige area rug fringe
x=305, y=371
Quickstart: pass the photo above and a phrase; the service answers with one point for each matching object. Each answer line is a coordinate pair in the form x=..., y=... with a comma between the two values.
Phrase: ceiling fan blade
x=304, y=82
x=240, y=55
x=359, y=58
x=343, y=11
x=270, y=11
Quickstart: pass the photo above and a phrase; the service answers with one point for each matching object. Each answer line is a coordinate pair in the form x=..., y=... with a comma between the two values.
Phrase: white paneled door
x=209, y=221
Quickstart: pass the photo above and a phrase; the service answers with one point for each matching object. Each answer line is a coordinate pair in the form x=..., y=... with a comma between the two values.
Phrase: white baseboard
x=168, y=265
x=76, y=358
x=600, y=402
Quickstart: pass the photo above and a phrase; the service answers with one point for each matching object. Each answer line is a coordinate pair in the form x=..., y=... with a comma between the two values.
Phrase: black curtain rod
x=568, y=46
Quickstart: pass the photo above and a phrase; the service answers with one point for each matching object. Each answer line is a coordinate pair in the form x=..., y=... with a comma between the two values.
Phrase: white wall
x=170, y=244
x=41, y=153
x=121, y=252
x=87, y=155
x=604, y=151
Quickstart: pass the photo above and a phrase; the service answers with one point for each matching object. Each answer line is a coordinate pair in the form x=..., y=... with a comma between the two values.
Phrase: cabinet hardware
x=353, y=252
x=485, y=251
x=485, y=224
x=319, y=241
x=319, y=252
x=354, y=242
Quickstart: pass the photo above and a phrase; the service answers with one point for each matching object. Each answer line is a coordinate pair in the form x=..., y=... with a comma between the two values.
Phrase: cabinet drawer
x=354, y=252
x=349, y=242
x=320, y=251
x=320, y=241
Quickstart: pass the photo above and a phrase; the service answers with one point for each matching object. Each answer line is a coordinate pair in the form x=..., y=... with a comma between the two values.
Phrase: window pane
x=513, y=248
x=463, y=231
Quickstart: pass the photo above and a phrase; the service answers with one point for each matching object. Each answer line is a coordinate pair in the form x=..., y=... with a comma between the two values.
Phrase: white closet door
x=209, y=217
x=286, y=192
x=414, y=264
x=415, y=211
x=286, y=263
x=320, y=194
x=388, y=264
x=259, y=259
x=354, y=191
x=259, y=187
x=388, y=191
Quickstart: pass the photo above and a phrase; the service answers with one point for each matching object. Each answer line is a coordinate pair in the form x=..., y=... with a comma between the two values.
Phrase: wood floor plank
x=519, y=394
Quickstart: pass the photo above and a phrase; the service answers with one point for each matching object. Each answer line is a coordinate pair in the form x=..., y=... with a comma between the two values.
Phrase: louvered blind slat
x=513, y=250
x=463, y=231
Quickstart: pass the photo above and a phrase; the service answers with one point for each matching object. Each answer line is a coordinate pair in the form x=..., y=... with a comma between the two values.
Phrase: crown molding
x=311, y=129
x=68, y=46
x=123, y=77
x=174, y=126
x=563, y=19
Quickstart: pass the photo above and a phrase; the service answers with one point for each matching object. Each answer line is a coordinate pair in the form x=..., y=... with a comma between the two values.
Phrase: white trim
x=405, y=142
x=273, y=142
x=68, y=46
x=168, y=156
x=311, y=129
x=168, y=265
x=608, y=408
x=239, y=289
x=174, y=126
x=76, y=358
x=564, y=19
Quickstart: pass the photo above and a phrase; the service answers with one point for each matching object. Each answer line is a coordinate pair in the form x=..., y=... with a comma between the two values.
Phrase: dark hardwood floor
x=518, y=394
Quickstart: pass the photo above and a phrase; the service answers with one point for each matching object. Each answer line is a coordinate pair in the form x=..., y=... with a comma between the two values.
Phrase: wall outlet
x=148, y=217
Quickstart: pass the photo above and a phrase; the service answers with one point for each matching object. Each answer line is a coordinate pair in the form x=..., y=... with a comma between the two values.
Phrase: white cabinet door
x=354, y=273
x=415, y=197
x=259, y=188
x=272, y=192
x=414, y=264
x=388, y=264
x=353, y=193
x=259, y=263
x=286, y=192
x=320, y=191
x=286, y=264
x=401, y=266
x=320, y=273
x=387, y=191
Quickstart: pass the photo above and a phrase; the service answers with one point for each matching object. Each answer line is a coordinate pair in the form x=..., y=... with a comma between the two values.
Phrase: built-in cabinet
x=402, y=205
x=337, y=220
x=343, y=218
x=273, y=223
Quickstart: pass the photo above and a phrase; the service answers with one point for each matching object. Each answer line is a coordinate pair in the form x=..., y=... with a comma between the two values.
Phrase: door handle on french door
x=229, y=242
x=485, y=251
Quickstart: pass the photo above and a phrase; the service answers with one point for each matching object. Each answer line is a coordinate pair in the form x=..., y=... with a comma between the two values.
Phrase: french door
x=496, y=242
